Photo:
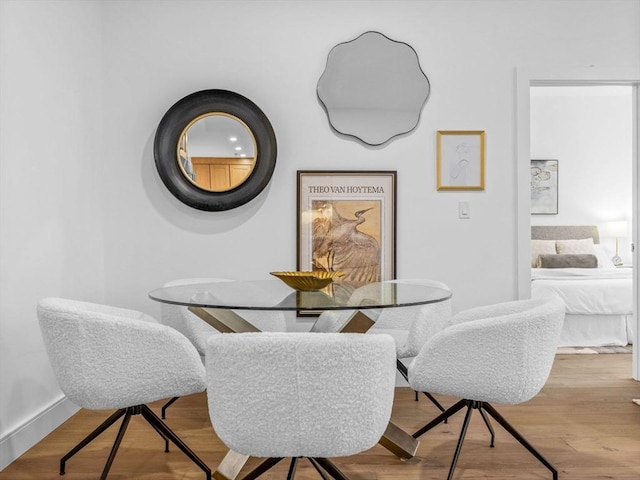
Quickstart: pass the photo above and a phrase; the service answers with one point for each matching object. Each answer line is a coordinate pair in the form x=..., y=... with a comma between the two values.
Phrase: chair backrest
x=198, y=331
x=333, y=320
x=300, y=394
x=180, y=318
x=494, y=310
x=505, y=358
x=421, y=321
x=107, y=357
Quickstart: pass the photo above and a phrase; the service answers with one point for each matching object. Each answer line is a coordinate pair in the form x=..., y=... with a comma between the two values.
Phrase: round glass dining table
x=221, y=303
x=276, y=295
x=217, y=302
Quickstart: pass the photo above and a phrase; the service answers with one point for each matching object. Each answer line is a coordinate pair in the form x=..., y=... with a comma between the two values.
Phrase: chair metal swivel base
x=322, y=465
x=483, y=408
x=159, y=426
x=167, y=405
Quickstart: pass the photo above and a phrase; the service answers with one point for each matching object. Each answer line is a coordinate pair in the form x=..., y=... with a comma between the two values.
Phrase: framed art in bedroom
x=346, y=221
x=460, y=159
x=544, y=187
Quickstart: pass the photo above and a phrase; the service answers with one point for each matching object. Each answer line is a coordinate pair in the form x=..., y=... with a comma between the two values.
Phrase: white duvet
x=587, y=291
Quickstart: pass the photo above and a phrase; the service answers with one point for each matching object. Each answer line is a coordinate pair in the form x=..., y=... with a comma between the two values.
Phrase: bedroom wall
x=588, y=129
x=137, y=58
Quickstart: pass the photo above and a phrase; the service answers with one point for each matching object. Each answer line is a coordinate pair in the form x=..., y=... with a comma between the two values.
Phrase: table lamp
x=617, y=229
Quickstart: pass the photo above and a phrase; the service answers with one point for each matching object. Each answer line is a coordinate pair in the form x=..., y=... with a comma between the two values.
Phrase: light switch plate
x=463, y=210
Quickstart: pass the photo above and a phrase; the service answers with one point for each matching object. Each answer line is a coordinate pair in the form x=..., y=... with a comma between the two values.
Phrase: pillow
x=541, y=247
x=584, y=245
x=604, y=257
x=568, y=260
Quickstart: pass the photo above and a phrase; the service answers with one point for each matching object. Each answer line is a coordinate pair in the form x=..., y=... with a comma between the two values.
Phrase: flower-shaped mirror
x=373, y=88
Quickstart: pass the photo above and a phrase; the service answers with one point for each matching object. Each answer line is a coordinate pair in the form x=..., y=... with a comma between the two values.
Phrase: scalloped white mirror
x=373, y=88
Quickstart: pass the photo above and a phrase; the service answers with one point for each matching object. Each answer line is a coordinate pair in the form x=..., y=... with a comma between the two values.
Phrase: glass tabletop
x=275, y=295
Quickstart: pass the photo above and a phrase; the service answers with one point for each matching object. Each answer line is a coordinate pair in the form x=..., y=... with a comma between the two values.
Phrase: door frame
x=554, y=76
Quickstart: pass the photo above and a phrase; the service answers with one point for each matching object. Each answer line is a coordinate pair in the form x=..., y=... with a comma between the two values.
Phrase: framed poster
x=460, y=159
x=544, y=187
x=346, y=221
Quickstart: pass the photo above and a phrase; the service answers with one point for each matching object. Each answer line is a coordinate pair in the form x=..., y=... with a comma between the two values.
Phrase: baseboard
x=24, y=437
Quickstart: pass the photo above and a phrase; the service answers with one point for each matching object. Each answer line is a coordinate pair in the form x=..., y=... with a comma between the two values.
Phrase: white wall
x=50, y=195
x=588, y=129
x=467, y=49
x=273, y=52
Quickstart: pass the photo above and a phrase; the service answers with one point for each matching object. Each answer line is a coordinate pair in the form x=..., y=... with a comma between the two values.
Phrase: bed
x=570, y=262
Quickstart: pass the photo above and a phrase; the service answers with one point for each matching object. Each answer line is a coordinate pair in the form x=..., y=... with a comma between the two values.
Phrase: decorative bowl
x=307, y=281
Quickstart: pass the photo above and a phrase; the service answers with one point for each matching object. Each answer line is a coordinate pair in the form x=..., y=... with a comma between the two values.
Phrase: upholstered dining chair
x=300, y=395
x=198, y=331
x=410, y=327
x=106, y=357
x=496, y=354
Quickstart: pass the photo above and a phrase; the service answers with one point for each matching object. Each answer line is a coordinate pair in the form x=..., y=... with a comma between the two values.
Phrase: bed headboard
x=564, y=232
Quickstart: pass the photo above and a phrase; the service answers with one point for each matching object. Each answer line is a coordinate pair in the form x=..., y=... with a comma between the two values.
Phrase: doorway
x=585, y=132
x=526, y=79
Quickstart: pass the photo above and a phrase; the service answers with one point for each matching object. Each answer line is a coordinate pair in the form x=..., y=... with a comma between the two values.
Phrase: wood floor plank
x=583, y=421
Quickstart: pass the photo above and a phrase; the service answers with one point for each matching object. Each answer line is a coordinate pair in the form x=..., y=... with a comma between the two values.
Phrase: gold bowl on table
x=307, y=281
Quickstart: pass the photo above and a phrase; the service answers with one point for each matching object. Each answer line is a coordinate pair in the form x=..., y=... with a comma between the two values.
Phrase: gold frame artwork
x=460, y=159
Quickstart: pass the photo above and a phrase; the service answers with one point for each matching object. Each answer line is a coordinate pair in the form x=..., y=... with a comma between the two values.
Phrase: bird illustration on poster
x=345, y=237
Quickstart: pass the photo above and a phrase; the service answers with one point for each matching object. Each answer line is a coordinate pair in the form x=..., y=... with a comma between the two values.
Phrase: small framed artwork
x=460, y=159
x=544, y=187
x=346, y=222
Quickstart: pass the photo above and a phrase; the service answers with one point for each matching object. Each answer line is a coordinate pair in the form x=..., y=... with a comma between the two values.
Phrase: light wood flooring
x=583, y=421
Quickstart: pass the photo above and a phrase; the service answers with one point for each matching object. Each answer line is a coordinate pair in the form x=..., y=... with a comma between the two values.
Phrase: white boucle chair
x=410, y=327
x=312, y=395
x=505, y=358
x=198, y=331
x=106, y=357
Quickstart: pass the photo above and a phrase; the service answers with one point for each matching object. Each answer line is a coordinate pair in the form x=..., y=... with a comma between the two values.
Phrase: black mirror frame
x=178, y=118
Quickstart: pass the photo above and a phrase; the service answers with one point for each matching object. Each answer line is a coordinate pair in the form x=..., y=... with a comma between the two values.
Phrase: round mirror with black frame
x=206, y=181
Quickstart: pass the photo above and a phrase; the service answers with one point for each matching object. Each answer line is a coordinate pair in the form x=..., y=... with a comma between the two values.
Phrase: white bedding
x=587, y=291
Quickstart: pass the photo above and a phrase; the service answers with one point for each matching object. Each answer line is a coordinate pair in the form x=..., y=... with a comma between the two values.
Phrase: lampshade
x=616, y=229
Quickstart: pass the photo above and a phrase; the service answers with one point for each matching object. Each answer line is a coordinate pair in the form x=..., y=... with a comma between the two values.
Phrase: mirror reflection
x=217, y=152
x=373, y=88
